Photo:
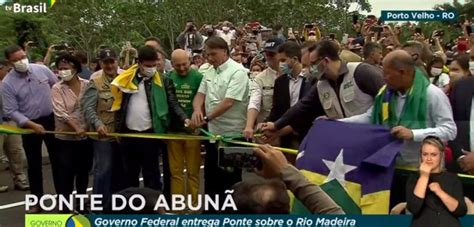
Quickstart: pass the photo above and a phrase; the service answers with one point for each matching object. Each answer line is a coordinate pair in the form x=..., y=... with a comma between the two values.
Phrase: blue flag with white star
x=360, y=157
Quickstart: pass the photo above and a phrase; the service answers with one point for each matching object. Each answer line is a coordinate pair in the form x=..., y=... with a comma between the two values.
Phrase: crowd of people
x=239, y=81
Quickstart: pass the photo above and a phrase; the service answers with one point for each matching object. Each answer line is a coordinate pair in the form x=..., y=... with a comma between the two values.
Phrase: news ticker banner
x=418, y=15
x=67, y=220
x=61, y=220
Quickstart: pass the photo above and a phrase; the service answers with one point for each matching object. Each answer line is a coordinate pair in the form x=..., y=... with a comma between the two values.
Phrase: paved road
x=12, y=210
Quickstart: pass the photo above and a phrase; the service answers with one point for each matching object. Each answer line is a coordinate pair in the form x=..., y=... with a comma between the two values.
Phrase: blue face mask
x=314, y=71
x=285, y=68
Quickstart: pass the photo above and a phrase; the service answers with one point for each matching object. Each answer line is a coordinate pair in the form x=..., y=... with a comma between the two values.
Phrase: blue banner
x=418, y=15
x=60, y=220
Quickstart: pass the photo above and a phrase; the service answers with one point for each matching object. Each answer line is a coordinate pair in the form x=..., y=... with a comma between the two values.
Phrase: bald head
x=399, y=59
x=179, y=54
x=399, y=70
x=180, y=61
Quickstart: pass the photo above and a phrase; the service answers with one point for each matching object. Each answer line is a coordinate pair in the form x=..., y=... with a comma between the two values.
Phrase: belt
x=6, y=119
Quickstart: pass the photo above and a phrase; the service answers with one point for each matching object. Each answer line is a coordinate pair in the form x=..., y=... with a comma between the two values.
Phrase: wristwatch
x=207, y=119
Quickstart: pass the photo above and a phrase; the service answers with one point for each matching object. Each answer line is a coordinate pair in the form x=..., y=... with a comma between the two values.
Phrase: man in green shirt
x=224, y=90
x=183, y=153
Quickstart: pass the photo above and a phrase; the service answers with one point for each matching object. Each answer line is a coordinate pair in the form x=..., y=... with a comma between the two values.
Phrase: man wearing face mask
x=307, y=51
x=343, y=89
x=291, y=86
x=261, y=88
x=11, y=145
x=27, y=100
x=96, y=104
x=145, y=100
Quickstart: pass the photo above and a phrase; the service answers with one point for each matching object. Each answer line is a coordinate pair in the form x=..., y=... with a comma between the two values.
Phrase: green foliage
x=87, y=24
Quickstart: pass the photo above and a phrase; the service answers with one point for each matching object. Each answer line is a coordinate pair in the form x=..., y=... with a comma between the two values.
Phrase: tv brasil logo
x=37, y=8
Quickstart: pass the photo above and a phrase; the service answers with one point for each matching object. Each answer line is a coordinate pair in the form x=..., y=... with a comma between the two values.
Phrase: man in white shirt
x=261, y=88
x=430, y=108
x=439, y=122
x=145, y=107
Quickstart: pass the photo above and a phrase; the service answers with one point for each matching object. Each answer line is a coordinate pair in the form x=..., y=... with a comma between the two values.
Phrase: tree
x=87, y=24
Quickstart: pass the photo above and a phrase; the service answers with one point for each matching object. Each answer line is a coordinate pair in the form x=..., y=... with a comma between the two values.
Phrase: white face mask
x=66, y=75
x=471, y=67
x=149, y=71
x=436, y=71
x=21, y=65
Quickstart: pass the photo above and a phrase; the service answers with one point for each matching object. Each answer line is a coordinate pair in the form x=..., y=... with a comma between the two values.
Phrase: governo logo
x=78, y=221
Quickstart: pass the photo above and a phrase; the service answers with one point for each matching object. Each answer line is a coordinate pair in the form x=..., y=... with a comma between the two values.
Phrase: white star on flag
x=338, y=169
x=300, y=155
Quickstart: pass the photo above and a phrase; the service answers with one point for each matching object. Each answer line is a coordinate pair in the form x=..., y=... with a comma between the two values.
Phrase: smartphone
x=469, y=29
x=418, y=30
x=238, y=157
x=290, y=30
x=462, y=19
x=377, y=28
x=332, y=36
x=309, y=26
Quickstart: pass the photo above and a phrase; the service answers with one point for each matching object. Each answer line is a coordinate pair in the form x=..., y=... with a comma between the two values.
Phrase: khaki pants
x=185, y=153
x=12, y=146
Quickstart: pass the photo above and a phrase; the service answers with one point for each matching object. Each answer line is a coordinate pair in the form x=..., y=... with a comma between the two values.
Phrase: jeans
x=108, y=172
